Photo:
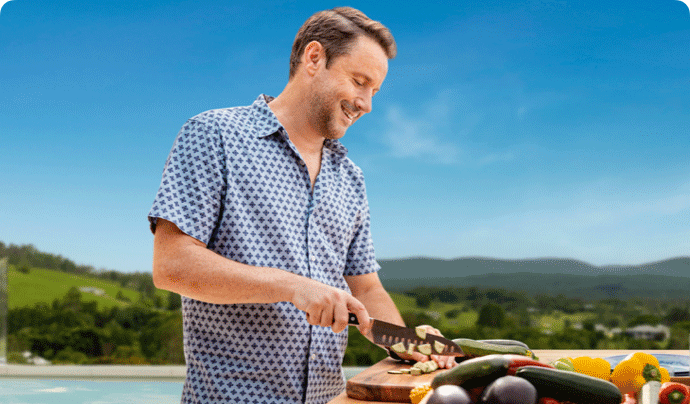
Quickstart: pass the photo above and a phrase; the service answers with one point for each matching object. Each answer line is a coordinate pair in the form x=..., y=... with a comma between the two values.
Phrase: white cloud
x=438, y=132
x=414, y=137
x=54, y=390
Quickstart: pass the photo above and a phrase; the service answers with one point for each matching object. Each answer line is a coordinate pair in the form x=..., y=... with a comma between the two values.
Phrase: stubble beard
x=323, y=109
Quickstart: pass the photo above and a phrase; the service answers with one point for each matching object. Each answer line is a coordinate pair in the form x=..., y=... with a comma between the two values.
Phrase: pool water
x=37, y=390
x=33, y=391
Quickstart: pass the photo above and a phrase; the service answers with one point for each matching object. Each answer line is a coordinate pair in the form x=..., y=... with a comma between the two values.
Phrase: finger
x=326, y=319
x=340, y=318
x=439, y=359
x=314, y=318
x=354, y=306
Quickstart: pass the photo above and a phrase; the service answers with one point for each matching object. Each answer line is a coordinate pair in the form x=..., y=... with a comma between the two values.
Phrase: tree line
x=149, y=331
x=71, y=330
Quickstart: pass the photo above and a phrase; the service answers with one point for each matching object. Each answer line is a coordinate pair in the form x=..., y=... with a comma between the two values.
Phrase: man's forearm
x=185, y=266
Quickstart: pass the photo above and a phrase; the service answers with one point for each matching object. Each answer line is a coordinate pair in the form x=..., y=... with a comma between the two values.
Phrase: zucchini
x=474, y=372
x=424, y=348
x=504, y=342
x=410, y=348
x=474, y=348
x=574, y=387
x=426, y=367
x=421, y=332
x=439, y=346
x=399, y=348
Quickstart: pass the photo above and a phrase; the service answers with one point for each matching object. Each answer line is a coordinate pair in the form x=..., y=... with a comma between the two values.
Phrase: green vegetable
x=564, y=364
x=439, y=346
x=410, y=348
x=474, y=372
x=474, y=348
x=424, y=348
x=399, y=348
x=426, y=367
x=563, y=385
x=421, y=332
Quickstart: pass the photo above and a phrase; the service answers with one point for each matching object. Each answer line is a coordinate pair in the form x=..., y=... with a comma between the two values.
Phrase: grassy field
x=42, y=285
x=467, y=317
x=437, y=310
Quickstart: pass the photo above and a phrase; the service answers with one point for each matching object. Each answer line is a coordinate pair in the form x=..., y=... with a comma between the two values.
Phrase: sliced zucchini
x=423, y=366
x=424, y=348
x=410, y=348
x=399, y=348
x=439, y=346
x=421, y=332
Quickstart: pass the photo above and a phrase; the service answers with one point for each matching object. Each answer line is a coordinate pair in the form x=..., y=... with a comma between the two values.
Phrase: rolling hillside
x=44, y=285
x=668, y=279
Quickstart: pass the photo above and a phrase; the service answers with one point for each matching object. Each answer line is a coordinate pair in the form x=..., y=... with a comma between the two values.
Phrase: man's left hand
x=444, y=362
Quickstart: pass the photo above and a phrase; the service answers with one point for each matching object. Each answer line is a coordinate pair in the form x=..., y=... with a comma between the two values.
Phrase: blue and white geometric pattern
x=236, y=182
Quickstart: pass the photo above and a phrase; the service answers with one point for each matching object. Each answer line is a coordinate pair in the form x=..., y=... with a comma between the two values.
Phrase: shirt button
x=313, y=259
x=313, y=356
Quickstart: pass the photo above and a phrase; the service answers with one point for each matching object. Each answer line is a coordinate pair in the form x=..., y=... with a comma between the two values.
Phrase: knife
x=388, y=334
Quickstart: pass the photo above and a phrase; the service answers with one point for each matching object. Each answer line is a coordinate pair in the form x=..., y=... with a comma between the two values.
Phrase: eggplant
x=510, y=390
x=449, y=394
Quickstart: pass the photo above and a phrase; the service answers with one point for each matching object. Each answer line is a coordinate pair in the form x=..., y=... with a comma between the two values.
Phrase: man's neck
x=289, y=108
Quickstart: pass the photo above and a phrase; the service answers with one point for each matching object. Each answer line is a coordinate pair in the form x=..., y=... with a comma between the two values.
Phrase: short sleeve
x=193, y=183
x=361, y=258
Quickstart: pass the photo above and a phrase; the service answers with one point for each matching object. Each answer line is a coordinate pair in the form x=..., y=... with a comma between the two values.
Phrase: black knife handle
x=352, y=319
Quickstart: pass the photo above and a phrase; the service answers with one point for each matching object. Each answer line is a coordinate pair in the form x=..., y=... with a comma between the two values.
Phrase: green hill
x=44, y=285
x=669, y=279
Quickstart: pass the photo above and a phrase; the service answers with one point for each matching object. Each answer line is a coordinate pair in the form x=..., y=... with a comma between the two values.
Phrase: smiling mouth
x=350, y=111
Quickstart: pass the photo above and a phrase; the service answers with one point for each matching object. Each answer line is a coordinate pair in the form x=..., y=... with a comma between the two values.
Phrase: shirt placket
x=316, y=342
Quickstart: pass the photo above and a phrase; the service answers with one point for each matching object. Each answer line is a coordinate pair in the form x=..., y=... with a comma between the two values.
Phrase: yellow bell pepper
x=595, y=367
x=634, y=371
x=665, y=375
x=419, y=392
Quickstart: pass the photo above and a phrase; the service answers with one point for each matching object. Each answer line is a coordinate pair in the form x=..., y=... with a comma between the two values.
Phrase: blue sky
x=504, y=129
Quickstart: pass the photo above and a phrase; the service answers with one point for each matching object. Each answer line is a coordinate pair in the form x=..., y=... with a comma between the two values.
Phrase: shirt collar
x=267, y=124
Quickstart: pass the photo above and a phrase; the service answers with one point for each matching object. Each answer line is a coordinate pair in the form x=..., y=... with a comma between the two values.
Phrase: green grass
x=43, y=285
x=556, y=321
x=465, y=319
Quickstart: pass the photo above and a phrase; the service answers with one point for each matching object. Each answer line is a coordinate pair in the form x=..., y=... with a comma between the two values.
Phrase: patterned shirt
x=236, y=182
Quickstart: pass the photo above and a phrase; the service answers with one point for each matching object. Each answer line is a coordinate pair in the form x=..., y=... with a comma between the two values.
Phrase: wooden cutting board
x=376, y=384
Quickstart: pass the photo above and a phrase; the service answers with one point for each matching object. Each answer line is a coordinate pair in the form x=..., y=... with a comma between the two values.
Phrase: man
x=261, y=223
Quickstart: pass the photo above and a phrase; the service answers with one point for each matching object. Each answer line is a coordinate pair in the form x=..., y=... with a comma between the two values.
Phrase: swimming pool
x=26, y=391
x=96, y=384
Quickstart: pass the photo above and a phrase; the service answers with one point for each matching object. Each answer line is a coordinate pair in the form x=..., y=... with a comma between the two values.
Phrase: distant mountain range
x=668, y=279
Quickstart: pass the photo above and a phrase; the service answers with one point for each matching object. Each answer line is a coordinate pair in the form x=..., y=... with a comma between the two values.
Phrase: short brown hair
x=336, y=30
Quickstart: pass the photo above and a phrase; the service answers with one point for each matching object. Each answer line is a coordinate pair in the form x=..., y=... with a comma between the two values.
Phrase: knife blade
x=388, y=334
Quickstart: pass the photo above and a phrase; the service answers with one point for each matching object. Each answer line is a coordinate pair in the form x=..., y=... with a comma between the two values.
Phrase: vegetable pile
x=490, y=377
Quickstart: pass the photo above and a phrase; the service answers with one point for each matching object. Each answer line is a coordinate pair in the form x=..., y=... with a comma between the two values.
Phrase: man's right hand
x=327, y=306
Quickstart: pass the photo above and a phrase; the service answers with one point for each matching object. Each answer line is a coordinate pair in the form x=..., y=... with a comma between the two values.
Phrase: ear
x=314, y=56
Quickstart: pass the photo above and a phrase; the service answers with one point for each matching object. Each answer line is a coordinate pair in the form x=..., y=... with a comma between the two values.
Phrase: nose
x=363, y=103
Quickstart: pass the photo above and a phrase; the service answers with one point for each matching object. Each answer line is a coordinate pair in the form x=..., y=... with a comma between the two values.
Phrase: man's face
x=343, y=91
